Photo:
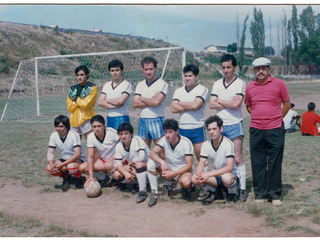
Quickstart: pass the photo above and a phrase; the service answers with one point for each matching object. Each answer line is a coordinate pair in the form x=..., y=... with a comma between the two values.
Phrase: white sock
x=243, y=175
x=233, y=188
x=99, y=175
x=142, y=178
x=153, y=180
x=210, y=188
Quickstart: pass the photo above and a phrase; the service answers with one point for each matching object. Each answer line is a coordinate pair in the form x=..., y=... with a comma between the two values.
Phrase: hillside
x=20, y=42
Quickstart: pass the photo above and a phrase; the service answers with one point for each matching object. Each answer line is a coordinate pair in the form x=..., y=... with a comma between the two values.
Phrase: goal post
x=40, y=87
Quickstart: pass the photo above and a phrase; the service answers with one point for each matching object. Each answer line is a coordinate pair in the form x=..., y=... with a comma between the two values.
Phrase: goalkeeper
x=81, y=100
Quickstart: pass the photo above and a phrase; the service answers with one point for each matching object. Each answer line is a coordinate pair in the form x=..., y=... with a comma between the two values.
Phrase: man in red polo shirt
x=309, y=121
x=263, y=101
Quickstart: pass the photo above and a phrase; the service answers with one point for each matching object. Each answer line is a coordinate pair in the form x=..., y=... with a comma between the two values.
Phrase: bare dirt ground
x=112, y=213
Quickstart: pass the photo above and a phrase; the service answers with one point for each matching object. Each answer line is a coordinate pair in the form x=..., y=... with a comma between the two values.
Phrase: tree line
x=300, y=37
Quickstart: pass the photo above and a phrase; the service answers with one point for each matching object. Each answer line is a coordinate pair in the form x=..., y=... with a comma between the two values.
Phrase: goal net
x=40, y=87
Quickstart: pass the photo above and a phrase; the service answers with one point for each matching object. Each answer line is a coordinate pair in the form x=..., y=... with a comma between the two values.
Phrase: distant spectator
x=291, y=119
x=309, y=121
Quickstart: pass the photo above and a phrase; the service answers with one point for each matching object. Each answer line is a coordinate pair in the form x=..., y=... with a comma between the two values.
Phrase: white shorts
x=83, y=129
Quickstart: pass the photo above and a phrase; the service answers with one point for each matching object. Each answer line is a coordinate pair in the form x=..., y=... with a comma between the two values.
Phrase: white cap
x=261, y=62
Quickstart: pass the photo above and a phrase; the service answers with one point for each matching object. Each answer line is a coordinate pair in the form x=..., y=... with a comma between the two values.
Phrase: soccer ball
x=93, y=189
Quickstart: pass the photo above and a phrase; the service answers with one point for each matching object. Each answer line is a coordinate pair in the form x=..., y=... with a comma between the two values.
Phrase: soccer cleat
x=210, y=198
x=66, y=181
x=135, y=187
x=121, y=187
x=154, y=198
x=141, y=197
x=114, y=182
x=232, y=197
x=167, y=188
x=242, y=195
x=203, y=193
x=104, y=182
x=186, y=193
x=79, y=183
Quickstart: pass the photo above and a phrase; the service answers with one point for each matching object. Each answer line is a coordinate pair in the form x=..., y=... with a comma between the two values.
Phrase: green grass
x=29, y=227
x=23, y=157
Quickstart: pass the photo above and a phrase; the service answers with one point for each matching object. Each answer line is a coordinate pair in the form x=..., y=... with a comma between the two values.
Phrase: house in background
x=215, y=48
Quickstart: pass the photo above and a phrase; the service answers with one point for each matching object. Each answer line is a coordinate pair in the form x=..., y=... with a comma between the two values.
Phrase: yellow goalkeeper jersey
x=82, y=108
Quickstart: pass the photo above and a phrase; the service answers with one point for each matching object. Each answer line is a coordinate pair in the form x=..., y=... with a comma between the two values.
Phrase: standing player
x=104, y=141
x=268, y=101
x=220, y=150
x=190, y=102
x=150, y=97
x=131, y=152
x=177, y=165
x=227, y=97
x=72, y=155
x=115, y=96
x=81, y=101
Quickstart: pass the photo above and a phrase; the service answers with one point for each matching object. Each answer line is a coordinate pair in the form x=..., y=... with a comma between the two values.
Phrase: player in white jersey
x=220, y=150
x=115, y=96
x=150, y=97
x=72, y=155
x=227, y=97
x=177, y=164
x=104, y=141
x=131, y=157
x=190, y=101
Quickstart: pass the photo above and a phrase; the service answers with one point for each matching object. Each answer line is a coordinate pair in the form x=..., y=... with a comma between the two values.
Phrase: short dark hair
x=83, y=68
x=148, y=60
x=115, y=63
x=125, y=126
x=97, y=118
x=292, y=105
x=191, y=68
x=311, y=106
x=62, y=119
x=227, y=58
x=170, y=124
x=213, y=119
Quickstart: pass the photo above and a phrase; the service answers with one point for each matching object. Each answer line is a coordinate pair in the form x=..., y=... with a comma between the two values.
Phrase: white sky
x=191, y=26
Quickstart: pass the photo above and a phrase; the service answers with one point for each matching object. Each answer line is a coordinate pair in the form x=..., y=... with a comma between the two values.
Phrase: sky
x=191, y=26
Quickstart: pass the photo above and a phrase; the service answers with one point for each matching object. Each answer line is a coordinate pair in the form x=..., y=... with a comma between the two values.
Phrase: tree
x=232, y=47
x=284, y=41
x=309, y=48
x=294, y=31
x=269, y=50
x=257, y=33
x=242, y=41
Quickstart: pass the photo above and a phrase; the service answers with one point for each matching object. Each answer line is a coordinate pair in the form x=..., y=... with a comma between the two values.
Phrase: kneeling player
x=101, y=141
x=178, y=163
x=72, y=155
x=131, y=151
x=220, y=150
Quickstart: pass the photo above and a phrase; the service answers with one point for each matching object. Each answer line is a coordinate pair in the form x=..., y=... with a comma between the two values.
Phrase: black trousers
x=266, y=150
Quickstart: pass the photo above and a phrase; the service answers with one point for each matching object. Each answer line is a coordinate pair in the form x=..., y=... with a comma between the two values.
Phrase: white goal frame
x=37, y=59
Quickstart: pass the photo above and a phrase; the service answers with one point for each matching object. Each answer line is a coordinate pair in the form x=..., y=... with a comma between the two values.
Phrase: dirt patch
x=111, y=213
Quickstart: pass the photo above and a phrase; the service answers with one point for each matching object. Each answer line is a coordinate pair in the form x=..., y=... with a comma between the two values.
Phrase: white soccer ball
x=93, y=189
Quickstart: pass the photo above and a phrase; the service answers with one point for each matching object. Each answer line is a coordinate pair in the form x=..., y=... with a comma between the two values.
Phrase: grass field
x=23, y=157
